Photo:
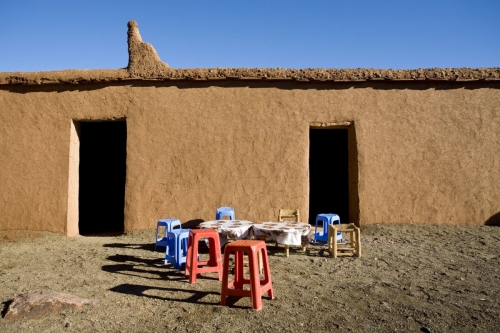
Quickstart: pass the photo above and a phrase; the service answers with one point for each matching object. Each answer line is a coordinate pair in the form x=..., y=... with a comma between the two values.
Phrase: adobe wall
x=427, y=151
x=425, y=142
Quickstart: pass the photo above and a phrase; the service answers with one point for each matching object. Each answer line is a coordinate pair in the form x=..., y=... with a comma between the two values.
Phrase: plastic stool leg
x=255, y=282
x=194, y=262
x=238, y=270
x=225, y=279
x=267, y=273
x=315, y=231
x=178, y=252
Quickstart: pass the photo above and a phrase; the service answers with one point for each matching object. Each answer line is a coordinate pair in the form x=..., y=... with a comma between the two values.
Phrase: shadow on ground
x=194, y=296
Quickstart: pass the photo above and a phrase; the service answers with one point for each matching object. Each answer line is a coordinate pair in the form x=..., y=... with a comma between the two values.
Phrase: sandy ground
x=409, y=279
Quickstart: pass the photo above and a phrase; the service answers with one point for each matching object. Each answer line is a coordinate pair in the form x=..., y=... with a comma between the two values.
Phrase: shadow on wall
x=493, y=220
x=192, y=224
x=258, y=83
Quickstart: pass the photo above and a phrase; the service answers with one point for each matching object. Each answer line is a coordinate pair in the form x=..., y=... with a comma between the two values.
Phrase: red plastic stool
x=193, y=264
x=258, y=287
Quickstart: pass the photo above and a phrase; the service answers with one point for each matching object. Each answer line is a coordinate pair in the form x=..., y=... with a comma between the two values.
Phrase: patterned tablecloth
x=287, y=233
x=232, y=229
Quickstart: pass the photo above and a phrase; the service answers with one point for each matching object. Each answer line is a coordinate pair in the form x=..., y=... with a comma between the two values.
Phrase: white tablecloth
x=287, y=233
x=232, y=229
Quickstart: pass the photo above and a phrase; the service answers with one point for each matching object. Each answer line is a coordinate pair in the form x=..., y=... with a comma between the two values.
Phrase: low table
x=286, y=233
x=229, y=229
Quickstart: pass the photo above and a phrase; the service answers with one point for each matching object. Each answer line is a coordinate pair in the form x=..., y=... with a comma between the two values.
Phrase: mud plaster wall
x=427, y=152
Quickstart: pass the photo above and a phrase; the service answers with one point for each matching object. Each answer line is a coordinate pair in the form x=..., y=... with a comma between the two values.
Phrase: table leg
x=331, y=238
x=286, y=251
x=358, y=243
x=334, y=251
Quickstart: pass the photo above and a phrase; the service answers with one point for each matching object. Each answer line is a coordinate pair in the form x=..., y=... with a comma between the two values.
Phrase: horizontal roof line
x=256, y=74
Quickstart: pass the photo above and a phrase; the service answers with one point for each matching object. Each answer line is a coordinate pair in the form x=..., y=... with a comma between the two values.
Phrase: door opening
x=329, y=173
x=101, y=199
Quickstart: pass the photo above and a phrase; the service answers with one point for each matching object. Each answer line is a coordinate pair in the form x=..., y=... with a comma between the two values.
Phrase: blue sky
x=398, y=34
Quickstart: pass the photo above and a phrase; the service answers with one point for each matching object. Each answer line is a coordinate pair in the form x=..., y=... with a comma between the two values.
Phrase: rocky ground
x=410, y=279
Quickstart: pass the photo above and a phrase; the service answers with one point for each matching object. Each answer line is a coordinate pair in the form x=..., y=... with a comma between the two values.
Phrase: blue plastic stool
x=176, y=249
x=326, y=219
x=169, y=225
x=224, y=211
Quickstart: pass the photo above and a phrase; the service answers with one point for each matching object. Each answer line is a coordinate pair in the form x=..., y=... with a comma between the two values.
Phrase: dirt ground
x=411, y=278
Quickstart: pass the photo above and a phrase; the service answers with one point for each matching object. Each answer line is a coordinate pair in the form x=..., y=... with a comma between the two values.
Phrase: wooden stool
x=193, y=264
x=258, y=287
x=354, y=245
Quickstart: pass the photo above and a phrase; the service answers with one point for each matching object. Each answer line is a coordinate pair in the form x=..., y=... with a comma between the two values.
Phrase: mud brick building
x=95, y=150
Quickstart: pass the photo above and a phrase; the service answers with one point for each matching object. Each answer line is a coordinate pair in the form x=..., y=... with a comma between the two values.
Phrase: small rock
x=37, y=303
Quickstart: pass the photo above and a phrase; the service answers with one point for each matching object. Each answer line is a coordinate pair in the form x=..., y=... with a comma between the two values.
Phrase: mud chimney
x=143, y=61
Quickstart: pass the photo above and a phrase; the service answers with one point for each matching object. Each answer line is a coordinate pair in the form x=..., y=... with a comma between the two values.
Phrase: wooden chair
x=294, y=215
x=289, y=214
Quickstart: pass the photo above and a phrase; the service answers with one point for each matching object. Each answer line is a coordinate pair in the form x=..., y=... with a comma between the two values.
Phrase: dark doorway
x=329, y=173
x=101, y=197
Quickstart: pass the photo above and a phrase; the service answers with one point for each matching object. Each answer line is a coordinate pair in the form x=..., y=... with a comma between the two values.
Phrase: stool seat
x=194, y=266
x=325, y=220
x=351, y=248
x=258, y=287
x=176, y=249
x=224, y=211
x=167, y=225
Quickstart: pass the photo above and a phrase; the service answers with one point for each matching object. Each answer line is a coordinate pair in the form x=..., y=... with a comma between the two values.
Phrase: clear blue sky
x=46, y=35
